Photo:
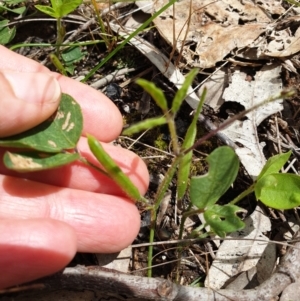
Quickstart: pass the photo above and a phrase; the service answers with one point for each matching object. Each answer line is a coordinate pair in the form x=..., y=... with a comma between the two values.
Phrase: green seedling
x=277, y=190
x=53, y=143
x=59, y=9
x=223, y=169
x=223, y=219
x=205, y=190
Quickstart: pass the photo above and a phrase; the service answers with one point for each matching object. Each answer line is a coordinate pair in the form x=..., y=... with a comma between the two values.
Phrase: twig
x=123, y=286
x=107, y=79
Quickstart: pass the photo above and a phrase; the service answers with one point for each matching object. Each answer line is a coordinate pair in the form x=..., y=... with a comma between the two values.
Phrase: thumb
x=26, y=100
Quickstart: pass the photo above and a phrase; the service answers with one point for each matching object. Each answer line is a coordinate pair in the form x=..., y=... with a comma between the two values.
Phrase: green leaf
x=183, y=174
x=60, y=132
x=25, y=161
x=48, y=11
x=156, y=93
x=70, y=69
x=112, y=169
x=279, y=191
x=223, y=168
x=6, y=33
x=185, y=162
x=72, y=55
x=60, y=8
x=274, y=164
x=68, y=6
x=18, y=10
x=147, y=124
x=223, y=219
x=56, y=4
x=181, y=93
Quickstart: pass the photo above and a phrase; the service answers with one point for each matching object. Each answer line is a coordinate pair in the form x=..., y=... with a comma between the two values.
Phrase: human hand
x=45, y=217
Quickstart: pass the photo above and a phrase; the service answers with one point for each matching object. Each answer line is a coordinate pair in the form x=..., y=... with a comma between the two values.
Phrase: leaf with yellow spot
x=60, y=132
x=24, y=162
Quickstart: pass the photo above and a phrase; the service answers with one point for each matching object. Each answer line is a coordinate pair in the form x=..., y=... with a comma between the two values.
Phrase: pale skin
x=46, y=217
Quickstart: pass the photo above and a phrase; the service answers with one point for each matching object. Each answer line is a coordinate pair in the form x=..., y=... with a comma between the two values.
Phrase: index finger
x=101, y=117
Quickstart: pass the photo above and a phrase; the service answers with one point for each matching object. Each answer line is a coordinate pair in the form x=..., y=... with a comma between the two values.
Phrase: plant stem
x=60, y=35
x=165, y=183
x=184, y=217
x=16, y=46
x=151, y=240
x=103, y=35
x=180, y=247
x=158, y=198
x=172, y=130
x=57, y=63
x=243, y=194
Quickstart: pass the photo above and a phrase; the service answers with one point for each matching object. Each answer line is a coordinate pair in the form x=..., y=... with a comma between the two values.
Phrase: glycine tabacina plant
x=53, y=143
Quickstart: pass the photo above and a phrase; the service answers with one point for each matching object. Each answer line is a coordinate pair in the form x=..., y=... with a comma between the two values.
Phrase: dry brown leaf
x=266, y=84
x=236, y=256
x=285, y=39
x=161, y=62
x=213, y=26
x=218, y=41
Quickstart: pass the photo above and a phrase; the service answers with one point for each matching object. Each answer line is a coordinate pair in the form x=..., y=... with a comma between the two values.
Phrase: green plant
x=8, y=5
x=6, y=33
x=59, y=9
x=53, y=143
x=63, y=61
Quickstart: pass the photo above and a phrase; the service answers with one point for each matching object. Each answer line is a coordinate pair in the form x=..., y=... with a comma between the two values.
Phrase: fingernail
x=34, y=87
